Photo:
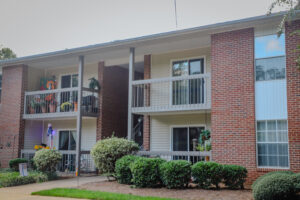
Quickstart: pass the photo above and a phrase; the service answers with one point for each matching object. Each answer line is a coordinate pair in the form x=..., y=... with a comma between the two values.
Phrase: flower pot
x=75, y=106
x=52, y=108
x=206, y=158
x=31, y=110
x=44, y=109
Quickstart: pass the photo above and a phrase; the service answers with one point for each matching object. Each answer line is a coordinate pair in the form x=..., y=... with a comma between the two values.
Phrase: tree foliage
x=6, y=53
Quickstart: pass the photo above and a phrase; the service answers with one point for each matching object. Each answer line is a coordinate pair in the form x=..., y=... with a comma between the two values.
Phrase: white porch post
x=130, y=78
x=79, y=114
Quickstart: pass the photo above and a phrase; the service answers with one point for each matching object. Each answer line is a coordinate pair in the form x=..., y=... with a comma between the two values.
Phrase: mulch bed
x=190, y=193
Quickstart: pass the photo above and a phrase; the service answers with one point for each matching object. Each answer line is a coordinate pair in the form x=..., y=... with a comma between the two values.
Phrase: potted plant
x=75, y=104
x=94, y=84
x=32, y=106
x=43, y=106
x=52, y=106
x=65, y=106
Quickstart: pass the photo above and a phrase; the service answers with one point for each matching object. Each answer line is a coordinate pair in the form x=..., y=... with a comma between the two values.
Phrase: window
x=67, y=140
x=69, y=81
x=270, y=57
x=189, y=91
x=0, y=86
x=183, y=138
x=272, y=143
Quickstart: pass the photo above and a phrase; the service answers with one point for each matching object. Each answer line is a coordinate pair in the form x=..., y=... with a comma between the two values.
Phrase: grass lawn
x=87, y=194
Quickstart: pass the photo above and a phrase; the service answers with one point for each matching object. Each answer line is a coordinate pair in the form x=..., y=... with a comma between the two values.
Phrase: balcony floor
x=58, y=115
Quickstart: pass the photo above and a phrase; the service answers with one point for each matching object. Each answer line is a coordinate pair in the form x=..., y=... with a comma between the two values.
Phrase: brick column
x=146, y=130
x=12, y=126
x=293, y=94
x=113, y=100
x=233, y=110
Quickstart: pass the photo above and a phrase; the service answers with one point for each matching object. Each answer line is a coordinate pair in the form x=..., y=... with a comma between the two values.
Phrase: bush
x=270, y=174
x=176, y=173
x=234, y=176
x=123, y=173
x=274, y=187
x=46, y=160
x=13, y=178
x=145, y=172
x=296, y=180
x=14, y=163
x=106, y=152
x=206, y=174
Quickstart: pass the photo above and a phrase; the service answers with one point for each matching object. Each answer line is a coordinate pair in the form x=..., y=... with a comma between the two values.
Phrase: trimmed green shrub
x=123, y=173
x=296, y=180
x=206, y=174
x=106, y=152
x=269, y=174
x=46, y=160
x=145, y=172
x=234, y=176
x=175, y=173
x=14, y=163
x=13, y=178
x=274, y=187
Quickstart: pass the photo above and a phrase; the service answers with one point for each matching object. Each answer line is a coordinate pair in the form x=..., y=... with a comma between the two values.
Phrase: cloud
x=274, y=45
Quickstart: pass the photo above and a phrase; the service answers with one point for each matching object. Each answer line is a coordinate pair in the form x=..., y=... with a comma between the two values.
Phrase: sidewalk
x=23, y=192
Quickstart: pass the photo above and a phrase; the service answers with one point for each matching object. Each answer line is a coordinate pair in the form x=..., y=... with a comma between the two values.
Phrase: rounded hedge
x=123, y=173
x=14, y=163
x=270, y=174
x=206, y=174
x=296, y=180
x=234, y=176
x=46, y=160
x=274, y=187
x=107, y=151
x=175, y=173
x=145, y=172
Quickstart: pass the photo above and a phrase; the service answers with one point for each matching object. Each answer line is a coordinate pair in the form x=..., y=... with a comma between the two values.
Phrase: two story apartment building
x=236, y=79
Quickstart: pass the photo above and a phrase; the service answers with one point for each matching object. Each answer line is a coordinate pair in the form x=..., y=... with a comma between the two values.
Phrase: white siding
x=270, y=100
x=161, y=128
x=33, y=134
x=161, y=67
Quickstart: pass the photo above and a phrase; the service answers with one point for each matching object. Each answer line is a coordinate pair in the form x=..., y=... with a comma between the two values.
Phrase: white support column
x=130, y=78
x=79, y=114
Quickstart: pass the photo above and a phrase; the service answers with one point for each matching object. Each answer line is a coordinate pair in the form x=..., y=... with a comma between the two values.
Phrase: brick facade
x=146, y=125
x=293, y=94
x=12, y=126
x=113, y=101
x=233, y=109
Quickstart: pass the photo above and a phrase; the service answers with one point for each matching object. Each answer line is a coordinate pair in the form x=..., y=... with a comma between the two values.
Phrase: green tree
x=6, y=53
x=291, y=7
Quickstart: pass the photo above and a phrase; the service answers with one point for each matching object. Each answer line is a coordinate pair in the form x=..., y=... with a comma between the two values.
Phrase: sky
x=37, y=26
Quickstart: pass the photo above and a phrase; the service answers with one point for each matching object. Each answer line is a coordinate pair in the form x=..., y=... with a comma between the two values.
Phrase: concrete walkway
x=23, y=192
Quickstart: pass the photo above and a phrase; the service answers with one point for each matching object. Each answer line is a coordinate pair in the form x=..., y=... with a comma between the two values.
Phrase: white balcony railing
x=192, y=156
x=59, y=103
x=172, y=94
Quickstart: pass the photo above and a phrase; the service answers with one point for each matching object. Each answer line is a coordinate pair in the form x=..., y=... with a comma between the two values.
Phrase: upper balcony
x=59, y=103
x=184, y=93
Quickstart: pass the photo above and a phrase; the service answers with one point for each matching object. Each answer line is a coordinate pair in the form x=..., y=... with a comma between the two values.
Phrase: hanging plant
x=204, y=135
x=94, y=84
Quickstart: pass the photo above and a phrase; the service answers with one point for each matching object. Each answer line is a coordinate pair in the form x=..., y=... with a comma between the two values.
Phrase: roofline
x=131, y=41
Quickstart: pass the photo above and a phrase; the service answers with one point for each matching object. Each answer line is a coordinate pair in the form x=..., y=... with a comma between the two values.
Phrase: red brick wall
x=113, y=101
x=146, y=130
x=233, y=109
x=14, y=83
x=293, y=94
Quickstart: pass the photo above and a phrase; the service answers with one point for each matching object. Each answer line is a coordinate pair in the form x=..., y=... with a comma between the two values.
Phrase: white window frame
x=184, y=126
x=68, y=74
x=288, y=143
x=171, y=72
x=257, y=36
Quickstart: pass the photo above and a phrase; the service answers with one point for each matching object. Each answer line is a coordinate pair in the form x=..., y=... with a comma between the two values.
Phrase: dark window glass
x=194, y=136
x=67, y=140
x=180, y=68
x=66, y=81
x=196, y=67
x=180, y=139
